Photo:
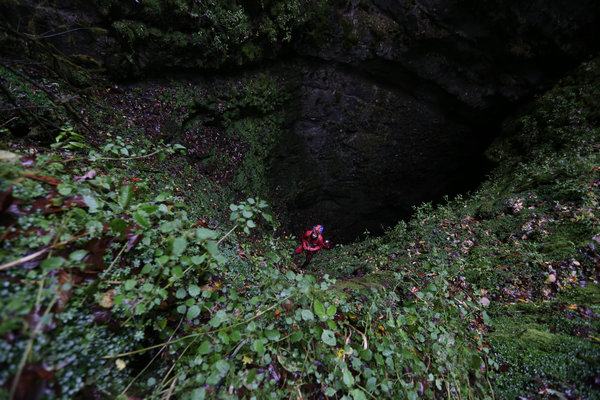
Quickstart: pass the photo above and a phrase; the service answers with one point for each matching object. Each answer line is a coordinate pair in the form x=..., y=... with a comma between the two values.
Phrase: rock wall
x=400, y=99
x=395, y=100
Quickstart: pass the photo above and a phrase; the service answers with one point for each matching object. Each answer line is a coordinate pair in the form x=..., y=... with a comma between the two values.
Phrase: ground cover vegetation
x=139, y=257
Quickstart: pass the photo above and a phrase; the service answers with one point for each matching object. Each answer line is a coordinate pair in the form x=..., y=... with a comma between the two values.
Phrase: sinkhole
x=360, y=153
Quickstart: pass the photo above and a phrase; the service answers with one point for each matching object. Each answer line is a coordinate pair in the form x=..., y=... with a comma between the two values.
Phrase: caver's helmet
x=317, y=229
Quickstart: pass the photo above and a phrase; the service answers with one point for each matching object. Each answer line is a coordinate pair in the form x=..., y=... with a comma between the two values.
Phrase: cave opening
x=361, y=152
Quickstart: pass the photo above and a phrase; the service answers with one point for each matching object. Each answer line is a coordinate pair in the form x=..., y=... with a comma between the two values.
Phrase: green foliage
x=69, y=139
x=209, y=35
x=250, y=111
x=119, y=278
x=547, y=345
x=243, y=213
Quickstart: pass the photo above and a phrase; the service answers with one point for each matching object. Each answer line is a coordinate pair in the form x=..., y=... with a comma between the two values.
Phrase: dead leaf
x=33, y=383
x=107, y=299
x=120, y=364
x=63, y=295
x=46, y=179
x=88, y=175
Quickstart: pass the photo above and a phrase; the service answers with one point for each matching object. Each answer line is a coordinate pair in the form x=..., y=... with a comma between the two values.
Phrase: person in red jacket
x=312, y=241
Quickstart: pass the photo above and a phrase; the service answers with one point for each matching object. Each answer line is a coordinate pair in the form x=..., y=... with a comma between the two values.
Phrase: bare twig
x=171, y=388
x=39, y=253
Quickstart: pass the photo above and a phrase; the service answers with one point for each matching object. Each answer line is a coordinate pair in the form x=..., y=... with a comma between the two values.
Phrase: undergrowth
x=125, y=272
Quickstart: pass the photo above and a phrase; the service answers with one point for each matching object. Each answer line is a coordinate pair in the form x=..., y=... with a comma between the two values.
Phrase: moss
x=350, y=37
x=535, y=343
x=567, y=237
x=588, y=295
x=377, y=280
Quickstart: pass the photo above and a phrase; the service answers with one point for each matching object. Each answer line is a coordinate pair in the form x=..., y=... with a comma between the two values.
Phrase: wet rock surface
x=361, y=153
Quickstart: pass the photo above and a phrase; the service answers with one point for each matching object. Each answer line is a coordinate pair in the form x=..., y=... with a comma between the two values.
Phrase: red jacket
x=310, y=244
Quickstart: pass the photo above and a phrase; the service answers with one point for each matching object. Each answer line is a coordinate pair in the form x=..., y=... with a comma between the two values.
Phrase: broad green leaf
x=331, y=310
x=366, y=355
x=198, y=394
x=52, y=263
x=319, y=308
x=129, y=284
x=222, y=366
x=118, y=225
x=93, y=226
x=179, y=245
x=141, y=218
x=224, y=338
x=119, y=299
x=258, y=347
x=193, y=312
x=296, y=337
x=162, y=260
x=251, y=376
x=197, y=260
x=204, y=348
x=147, y=287
x=307, y=315
x=170, y=226
x=475, y=362
x=125, y=196
x=64, y=189
x=177, y=271
x=140, y=309
x=217, y=319
x=247, y=214
x=162, y=197
x=233, y=207
x=91, y=202
x=347, y=377
x=148, y=208
x=272, y=335
x=290, y=275
x=371, y=384
x=180, y=294
x=204, y=234
x=250, y=224
x=212, y=248
x=412, y=395
x=78, y=255
x=358, y=394
x=194, y=290
x=328, y=337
